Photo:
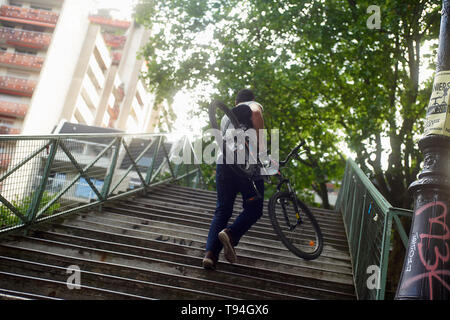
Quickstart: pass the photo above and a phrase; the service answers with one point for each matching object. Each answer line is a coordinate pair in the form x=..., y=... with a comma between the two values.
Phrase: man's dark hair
x=244, y=95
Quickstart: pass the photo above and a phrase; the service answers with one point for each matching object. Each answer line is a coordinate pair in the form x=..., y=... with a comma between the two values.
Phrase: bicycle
x=291, y=219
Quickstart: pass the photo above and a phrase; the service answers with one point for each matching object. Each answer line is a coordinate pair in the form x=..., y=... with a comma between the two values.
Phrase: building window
x=16, y=73
x=83, y=190
x=56, y=182
x=40, y=8
x=34, y=53
x=33, y=28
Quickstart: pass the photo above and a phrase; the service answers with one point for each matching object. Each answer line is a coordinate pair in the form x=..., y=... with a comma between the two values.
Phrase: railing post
x=33, y=209
x=148, y=176
x=426, y=269
x=111, y=170
x=350, y=232
x=384, y=259
x=361, y=225
x=168, y=161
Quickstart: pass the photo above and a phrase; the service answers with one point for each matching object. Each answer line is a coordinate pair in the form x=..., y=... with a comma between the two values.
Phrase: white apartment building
x=61, y=62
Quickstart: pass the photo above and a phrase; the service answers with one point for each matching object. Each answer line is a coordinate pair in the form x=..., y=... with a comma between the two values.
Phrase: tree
x=243, y=53
x=316, y=66
x=322, y=74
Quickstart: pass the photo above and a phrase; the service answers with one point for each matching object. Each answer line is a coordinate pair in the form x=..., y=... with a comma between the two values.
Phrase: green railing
x=368, y=219
x=44, y=177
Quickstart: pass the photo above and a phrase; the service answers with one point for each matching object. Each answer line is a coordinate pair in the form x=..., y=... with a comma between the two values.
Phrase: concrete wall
x=129, y=70
x=79, y=73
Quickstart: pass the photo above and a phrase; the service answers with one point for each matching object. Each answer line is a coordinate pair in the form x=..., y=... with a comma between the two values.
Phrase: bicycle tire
x=246, y=171
x=212, y=114
x=282, y=234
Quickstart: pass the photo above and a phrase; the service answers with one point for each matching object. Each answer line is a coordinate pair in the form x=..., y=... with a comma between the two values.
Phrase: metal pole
x=426, y=269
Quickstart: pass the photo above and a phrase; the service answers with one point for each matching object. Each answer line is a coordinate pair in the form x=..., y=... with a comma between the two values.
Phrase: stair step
x=75, y=253
x=326, y=227
x=205, y=284
x=151, y=247
x=169, y=197
x=177, y=244
x=255, y=231
x=104, y=281
x=165, y=231
x=51, y=288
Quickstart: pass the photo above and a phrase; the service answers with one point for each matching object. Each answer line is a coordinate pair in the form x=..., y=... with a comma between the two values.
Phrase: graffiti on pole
x=433, y=252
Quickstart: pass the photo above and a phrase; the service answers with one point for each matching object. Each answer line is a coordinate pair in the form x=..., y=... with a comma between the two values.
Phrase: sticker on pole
x=438, y=112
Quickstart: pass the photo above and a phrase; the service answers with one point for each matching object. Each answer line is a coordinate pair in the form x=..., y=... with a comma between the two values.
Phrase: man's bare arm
x=258, y=125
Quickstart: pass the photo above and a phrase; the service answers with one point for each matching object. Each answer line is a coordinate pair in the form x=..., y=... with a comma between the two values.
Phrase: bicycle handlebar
x=292, y=153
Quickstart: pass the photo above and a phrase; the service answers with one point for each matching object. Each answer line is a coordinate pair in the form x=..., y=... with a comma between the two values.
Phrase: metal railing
x=50, y=176
x=368, y=219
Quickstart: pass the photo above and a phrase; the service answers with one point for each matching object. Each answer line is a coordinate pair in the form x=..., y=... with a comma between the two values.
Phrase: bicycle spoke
x=296, y=229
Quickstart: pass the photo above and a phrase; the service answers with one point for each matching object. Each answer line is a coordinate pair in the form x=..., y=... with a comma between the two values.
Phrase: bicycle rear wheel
x=213, y=114
x=299, y=231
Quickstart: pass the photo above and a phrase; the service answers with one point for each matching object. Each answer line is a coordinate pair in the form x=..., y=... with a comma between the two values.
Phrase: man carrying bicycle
x=229, y=184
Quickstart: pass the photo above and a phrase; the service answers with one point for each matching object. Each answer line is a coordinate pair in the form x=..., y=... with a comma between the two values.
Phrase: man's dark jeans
x=229, y=184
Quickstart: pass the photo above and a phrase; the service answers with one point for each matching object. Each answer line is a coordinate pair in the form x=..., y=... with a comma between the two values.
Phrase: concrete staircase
x=151, y=247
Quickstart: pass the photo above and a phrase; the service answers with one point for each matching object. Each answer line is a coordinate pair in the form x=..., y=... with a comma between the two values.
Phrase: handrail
x=368, y=219
x=54, y=175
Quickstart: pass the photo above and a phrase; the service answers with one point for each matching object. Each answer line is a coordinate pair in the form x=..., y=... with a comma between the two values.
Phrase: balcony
x=9, y=130
x=12, y=109
x=114, y=41
x=116, y=57
x=20, y=60
x=110, y=22
x=17, y=86
x=24, y=38
x=36, y=17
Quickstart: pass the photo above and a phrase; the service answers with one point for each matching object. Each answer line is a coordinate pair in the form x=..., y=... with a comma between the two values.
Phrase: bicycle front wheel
x=297, y=229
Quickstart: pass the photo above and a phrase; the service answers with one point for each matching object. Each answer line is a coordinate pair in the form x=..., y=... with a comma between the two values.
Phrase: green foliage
x=319, y=72
x=7, y=218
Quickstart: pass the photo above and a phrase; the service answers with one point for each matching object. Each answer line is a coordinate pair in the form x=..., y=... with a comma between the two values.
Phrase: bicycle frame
x=291, y=191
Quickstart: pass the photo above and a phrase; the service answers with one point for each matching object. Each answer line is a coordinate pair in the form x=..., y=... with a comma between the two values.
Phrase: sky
x=123, y=8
